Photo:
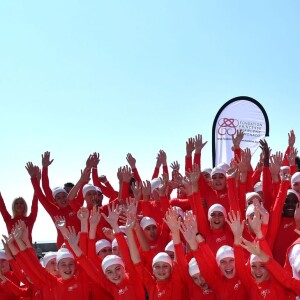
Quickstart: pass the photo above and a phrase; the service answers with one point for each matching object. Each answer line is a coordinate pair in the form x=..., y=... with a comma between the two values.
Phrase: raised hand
x=46, y=162
x=163, y=157
x=291, y=138
x=60, y=222
x=163, y=187
x=146, y=190
x=137, y=190
x=175, y=166
x=95, y=216
x=190, y=146
x=171, y=219
x=131, y=160
x=93, y=160
x=254, y=248
x=236, y=140
x=113, y=216
x=237, y=227
x=199, y=145
x=83, y=214
x=31, y=169
x=292, y=156
x=126, y=174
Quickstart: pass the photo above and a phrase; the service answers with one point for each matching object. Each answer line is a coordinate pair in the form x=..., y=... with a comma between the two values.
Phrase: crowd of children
x=231, y=232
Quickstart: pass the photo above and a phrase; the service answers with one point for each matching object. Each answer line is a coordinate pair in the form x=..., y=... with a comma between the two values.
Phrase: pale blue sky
x=135, y=76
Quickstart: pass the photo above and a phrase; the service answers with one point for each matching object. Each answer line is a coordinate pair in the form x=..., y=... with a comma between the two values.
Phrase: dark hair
x=69, y=184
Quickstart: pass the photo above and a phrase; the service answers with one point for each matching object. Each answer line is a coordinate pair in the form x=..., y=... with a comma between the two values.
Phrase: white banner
x=240, y=113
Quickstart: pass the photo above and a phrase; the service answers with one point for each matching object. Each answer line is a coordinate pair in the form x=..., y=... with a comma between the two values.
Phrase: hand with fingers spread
x=113, y=217
x=131, y=160
x=175, y=166
x=60, y=224
x=255, y=222
x=194, y=176
x=187, y=186
x=109, y=234
x=264, y=214
x=93, y=160
x=136, y=188
x=163, y=187
x=171, y=219
x=83, y=214
x=146, y=190
x=236, y=140
x=236, y=225
x=275, y=164
x=46, y=162
x=291, y=139
x=163, y=157
x=254, y=248
x=199, y=145
x=31, y=169
x=266, y=152
x=126, y=174
x=292, y=156
x=189, y=232
x=190, y=147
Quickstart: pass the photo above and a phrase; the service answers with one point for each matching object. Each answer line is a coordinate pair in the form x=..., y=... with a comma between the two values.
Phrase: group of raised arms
x=230, y=234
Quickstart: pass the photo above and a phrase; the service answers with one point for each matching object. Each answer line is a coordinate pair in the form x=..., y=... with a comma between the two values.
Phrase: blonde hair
x=14, y=203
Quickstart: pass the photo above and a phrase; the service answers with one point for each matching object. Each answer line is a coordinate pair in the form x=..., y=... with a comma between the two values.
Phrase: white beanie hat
x=162, y=257
x=63, y=253
x=251, y=195
x=98, y=189
x=296, y=264
x=170, y=247
x=155, y=183
x=250, y=210
x=110, y=260
x=207, y=170
x=224, y=252
x=254, y=259
x=146, y=221
x=291, y=191
x=258, y=187
x=88, y=187
x=284, y=168
x=57, y=190
x=3, y=255
x=103, y=243
x=224, y=166
x=114, y=242
x=193, y=267
x=47, y=257
x=216, y=207
x=218, y=170
x=295, y=178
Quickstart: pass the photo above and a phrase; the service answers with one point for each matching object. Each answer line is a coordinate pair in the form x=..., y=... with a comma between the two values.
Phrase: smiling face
x=259, y=272
x=289, y=206
x=66, y=268
x=151, y=232
x=227, y=267
x=115, y=273
x=51, y=267
x=19, y=207
x=200, y=281
x=161, y=271
x=61, y=199
x=218, y=182
x=217, y=220
x=104, y=252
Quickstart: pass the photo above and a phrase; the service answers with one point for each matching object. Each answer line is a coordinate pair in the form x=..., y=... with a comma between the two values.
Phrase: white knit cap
x=114, y=242
x=216, y=207
x=207, y=170
x=283, y=169
x=110, y=260
x=218, y=170
x=291, y=191
x=254, y=259
x=193, y=267
x=47, y=257
x=155, y=184
x=88, y=187
x=296, y=264
x=258, y=187
x=294, y=253
x=224, y=252
x=98, y=189
x=162, y=257
x=250, y=210
x=3, y=255
x=57, y=190
x=224, y=166
x=170, y=247
x=146, y=221
x=63, y=253
x=103, y=243
x=251, y=195
x=295, y=178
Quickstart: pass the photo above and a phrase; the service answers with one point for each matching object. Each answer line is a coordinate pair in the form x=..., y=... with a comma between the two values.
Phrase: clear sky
x=135, y=76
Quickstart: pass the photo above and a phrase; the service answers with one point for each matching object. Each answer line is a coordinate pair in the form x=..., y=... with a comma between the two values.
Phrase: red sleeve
x=233, y=195
x=285, y=161
x=125, y=190
x=155, y=173
x=267, y=188
x=136, y=175
x=242, y=196
x=45, y=184
x=255, y=176
x=188, y=164
x=202, y=222
x=17, y=271
x=5, y=214
x=164, y=205
x=12, y=288
x=33, y=210
x=165, y=170
x=275, y=214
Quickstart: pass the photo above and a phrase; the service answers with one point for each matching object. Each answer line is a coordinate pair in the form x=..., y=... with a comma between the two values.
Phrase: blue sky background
x=135, y=76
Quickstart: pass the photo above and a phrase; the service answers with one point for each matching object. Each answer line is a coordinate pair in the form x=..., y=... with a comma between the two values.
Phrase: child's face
x=259, y=272
x=4, y=265
x=151, y=232
x=218, y=182
x=227, y=267
x=200, y=281
x=162, y=271
x=66, y=268
x=51, y=267
x=289, y=206
x=296, y=186
x=20, y=207
x=115, y=273
x=217, y=220
x=61, y=199
x=91, y=197
x=104, y=252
